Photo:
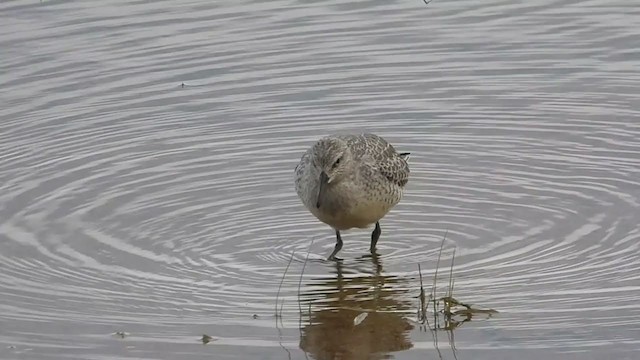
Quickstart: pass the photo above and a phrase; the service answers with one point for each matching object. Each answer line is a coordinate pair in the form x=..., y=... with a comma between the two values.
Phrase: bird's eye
x=335, y=164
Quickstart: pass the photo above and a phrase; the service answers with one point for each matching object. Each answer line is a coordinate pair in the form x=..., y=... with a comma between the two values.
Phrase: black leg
x=375, y=235
x=337, y=248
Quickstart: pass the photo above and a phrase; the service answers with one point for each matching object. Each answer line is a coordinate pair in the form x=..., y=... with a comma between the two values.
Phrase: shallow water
x=146, y=177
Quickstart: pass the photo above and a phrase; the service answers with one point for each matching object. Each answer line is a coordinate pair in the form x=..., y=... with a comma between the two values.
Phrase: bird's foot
x=334, y=258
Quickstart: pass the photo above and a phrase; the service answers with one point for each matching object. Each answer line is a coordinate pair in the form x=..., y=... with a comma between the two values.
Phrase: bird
x=351, y=181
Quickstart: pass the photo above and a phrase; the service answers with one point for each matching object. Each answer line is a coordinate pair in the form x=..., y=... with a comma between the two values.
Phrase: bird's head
x=332, y=158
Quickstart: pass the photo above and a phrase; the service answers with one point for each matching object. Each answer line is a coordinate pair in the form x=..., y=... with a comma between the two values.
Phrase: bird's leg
x=375, y=235
x=337, y=248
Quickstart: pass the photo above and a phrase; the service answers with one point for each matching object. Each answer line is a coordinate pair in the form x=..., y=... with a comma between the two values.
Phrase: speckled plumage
x=365, y=178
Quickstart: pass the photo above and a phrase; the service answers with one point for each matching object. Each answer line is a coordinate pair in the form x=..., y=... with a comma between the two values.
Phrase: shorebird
x=351, y=181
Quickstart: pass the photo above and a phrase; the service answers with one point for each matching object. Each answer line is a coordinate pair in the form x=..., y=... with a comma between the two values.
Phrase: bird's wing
x=382, y=156
x=395, y=169
x=370, y=146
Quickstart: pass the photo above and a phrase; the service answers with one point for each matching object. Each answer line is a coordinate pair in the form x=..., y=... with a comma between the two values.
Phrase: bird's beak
x=324, y=180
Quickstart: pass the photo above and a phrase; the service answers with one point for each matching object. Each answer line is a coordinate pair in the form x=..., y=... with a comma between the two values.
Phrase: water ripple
x=147, y=151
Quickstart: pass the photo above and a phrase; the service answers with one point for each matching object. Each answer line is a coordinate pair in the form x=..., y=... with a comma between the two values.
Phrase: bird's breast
x=346, y=207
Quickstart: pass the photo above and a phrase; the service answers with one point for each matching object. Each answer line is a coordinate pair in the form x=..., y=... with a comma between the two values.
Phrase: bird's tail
x=405, y=156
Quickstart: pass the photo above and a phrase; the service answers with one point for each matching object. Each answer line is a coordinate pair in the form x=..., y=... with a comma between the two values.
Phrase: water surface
x=146, y=177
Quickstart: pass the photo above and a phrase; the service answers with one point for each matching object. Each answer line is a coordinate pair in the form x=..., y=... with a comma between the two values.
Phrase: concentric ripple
x=146, y=175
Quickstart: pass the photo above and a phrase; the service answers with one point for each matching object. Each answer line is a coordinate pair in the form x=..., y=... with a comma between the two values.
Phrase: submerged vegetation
x=448, y=312
x=373, y=308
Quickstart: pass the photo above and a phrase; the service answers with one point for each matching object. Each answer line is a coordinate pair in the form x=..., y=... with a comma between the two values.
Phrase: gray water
x=146, y=177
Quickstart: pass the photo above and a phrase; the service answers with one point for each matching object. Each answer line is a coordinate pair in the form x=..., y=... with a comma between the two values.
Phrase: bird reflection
x=336, y=327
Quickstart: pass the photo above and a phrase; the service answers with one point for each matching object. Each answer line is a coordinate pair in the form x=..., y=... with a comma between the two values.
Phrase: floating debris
x=255, y=316
x=360, y=318
x=121, y=334
x=206, y=339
